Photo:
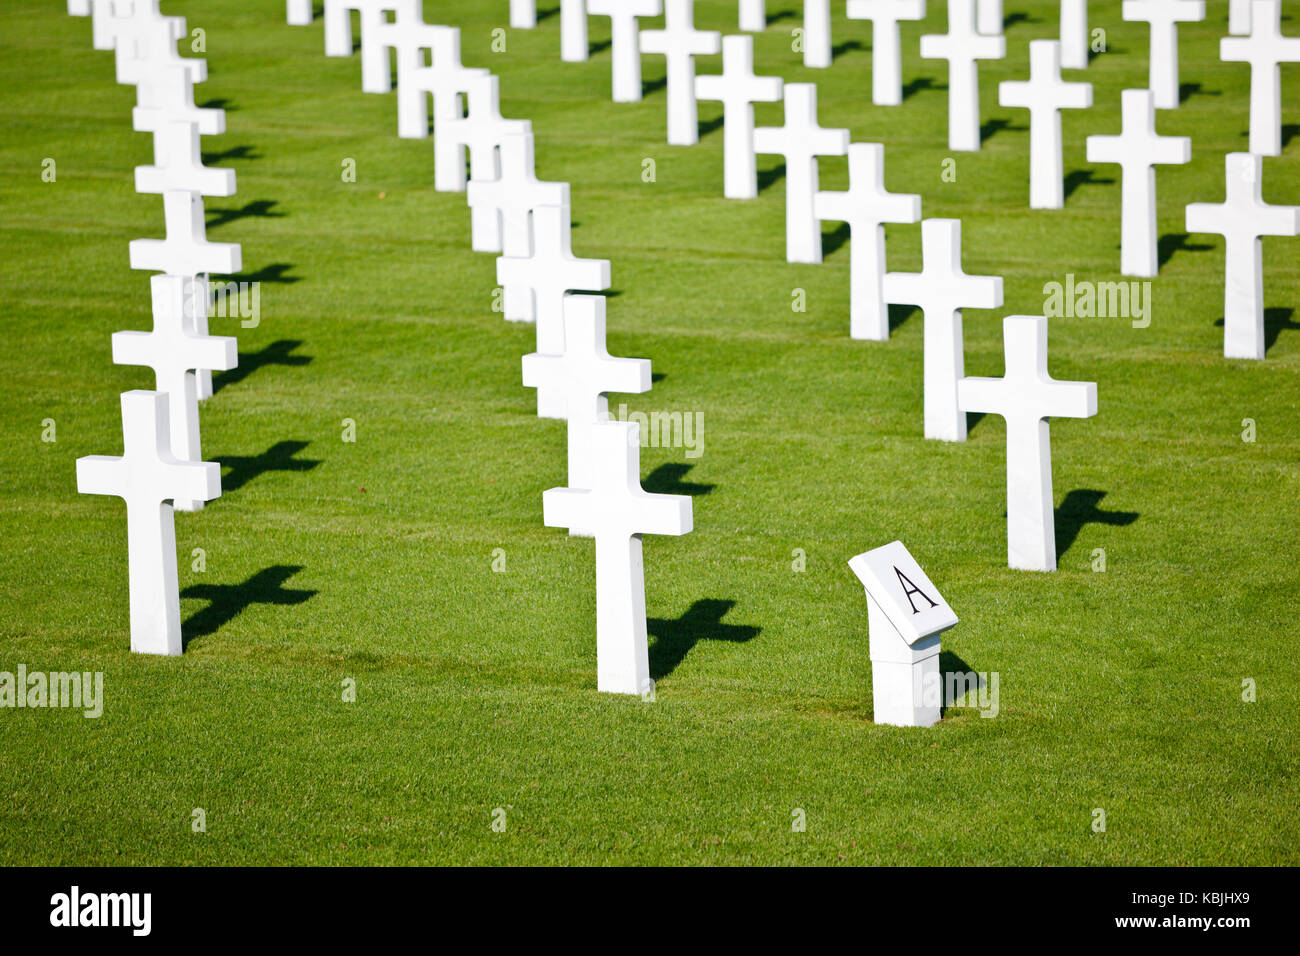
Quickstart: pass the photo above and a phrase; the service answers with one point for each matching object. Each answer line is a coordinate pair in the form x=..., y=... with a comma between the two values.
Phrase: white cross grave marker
x=176, y=353
x=167, y=96
x=801, y=141
x=186, y=250
x=1026, y=396
x=573, y=31
x=738, y=89
x=503, y=205
x=753, y=16
x=582, y=375
x=549, y=273
x=680, y=43
x=1239, y=17
x=481, y=131
x=1074, y=34
x=817, y=51
x=1164, y=17
x=145, y=45
x=625, y=49
x=1264, y=49
x=1138, y=150
x=988, y=17
x=618, y=512
x=963, y=47
x=404, y=36
x=905, y=616
x=338, y=36
x=866, y=207
x=178, y=165
x=298, y=13
x=1242, y=219
x=446, y=80
x=147, y=477
x=942, y=290
x=523, y=14
x=1044, y=94
x=886, y=53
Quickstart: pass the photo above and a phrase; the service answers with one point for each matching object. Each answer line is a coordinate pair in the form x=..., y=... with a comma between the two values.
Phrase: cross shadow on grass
x=1276, y=321
x=279, y=457
x=835, y=237
x=1083, y=177
x=234, y=152
x=994, y=126
x=769, y=177
x=653, y=86
x=1079, y=508
x=261, y=208
x=674, y=639
x=227, y=601
x=1187, y=90
x=847, y=46
x=668, y=480
x=781, y=15
x=277, y=272
x=708, y=126
x=1173, y=242
x=898, y=314
x=912, y=87
x=277, y=353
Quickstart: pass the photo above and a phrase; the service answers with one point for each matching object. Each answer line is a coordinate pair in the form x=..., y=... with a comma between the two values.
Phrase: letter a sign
x=904, y=593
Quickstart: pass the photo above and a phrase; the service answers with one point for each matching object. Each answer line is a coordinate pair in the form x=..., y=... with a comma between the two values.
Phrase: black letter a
x=909, y=589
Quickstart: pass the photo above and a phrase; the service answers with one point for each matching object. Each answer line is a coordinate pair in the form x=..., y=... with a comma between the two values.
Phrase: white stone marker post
x=817, y=51
x=753, y=16
x=1026, y=396
x=801, y=141
x=988, y=17
x=942, y=290
x=1044, y=94
x=147, y=477
x=1138, y=150
x=617, y=512
x=886, y=50
x=574, y=47
x=905, y=616
x=523, y=14
x=1074, y=34
x=866, y=207
x=738, y=89
x=1242, y=218
x=963, y=48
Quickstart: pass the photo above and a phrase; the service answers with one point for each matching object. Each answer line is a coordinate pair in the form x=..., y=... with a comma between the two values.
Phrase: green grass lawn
x=476, y=690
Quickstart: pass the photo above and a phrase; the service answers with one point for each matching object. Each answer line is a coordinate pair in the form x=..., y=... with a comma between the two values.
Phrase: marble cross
x=1138, y=150
x=178, y=165
x=404, y=36
x=1044, y=94
x=167, y=96
x=680, y=43
x=1164, y=17
x=738, y=89
x=504, y=205
x=582, y=375
x=963, y=48
x=1026, y=397
x=523, y=14
x=549, y=274
x=298, y=13
x=1074, y=34
x=817, y=52
x=186, y=251
x=625, y=49
x=1242, y=218
x=866, y=207
x=148, y=477
x=886, y=51
x=375, y=76
x=446, y=80
x=801, y=141
x=753, y=16
x=617, y=512
x=1239, y=17
x=481, y=131
x=145, y=44
x=1264, y=49
x=988, y=17
x=176, y=352
x=942, y=290
x=573, y=31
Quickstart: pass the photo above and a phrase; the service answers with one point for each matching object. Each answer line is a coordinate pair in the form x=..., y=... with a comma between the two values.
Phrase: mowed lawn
x=372, y=561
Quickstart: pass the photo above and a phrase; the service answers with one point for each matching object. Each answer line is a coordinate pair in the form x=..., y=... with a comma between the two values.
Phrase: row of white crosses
x=161, y=467
x=527, y=222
